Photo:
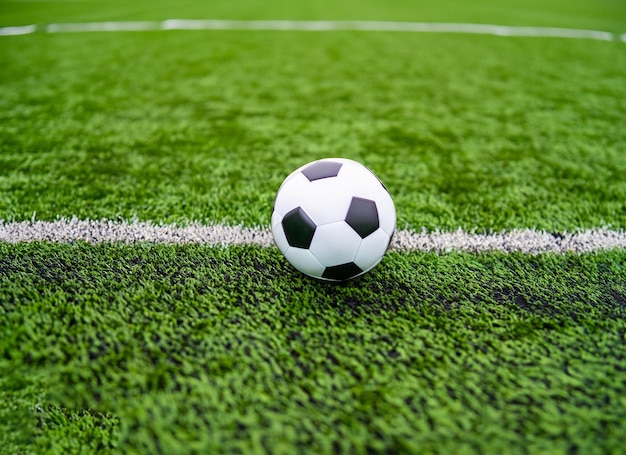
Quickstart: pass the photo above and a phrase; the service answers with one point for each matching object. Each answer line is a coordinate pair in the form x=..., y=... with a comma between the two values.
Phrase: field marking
x=135, y=26
x=316, y=26
x=18, y=30
x=100, y=231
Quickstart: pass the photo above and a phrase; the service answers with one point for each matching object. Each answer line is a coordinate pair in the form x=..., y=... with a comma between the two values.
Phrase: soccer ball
x=333, y=219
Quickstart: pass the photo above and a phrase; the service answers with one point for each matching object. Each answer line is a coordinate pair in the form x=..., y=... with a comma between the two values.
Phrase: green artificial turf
x=177, y=349
x=194, y=349
x=477, y=132
x=587, y=14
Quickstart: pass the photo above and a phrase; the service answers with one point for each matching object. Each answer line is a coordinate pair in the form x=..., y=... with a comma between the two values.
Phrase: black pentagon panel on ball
x=363, y=216
x=322, y=170
x=298, y=228
x=342, y=272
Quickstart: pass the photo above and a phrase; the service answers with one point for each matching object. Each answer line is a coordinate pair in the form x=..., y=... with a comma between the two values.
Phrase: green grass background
x=194, y=349
x=172, y=349
x=601, y=14
x=478, y=132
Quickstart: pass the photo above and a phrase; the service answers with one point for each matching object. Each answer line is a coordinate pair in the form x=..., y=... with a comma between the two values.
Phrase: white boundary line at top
x=314, y=26
x=527, y=241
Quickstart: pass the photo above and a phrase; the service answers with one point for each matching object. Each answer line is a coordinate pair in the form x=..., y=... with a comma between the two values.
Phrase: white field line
x=315, y=26
x=523, y=240
x=18, y=30
x=102, y=27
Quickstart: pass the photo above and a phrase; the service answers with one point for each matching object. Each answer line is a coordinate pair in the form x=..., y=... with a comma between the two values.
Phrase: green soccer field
x=130, y=346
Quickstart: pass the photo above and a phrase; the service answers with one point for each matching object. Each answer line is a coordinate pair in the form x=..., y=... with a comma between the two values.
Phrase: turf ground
x=155, y=348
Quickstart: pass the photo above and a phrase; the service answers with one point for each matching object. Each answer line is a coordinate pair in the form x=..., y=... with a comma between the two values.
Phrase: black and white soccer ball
x=333, y=219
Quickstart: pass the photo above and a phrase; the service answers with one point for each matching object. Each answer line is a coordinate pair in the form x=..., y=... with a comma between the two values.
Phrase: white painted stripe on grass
x=520, y=240
x=18, y=30
x=387, y=26
x=318, y=26
x=102, y=27
x=92, y=231
x=523, y=240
